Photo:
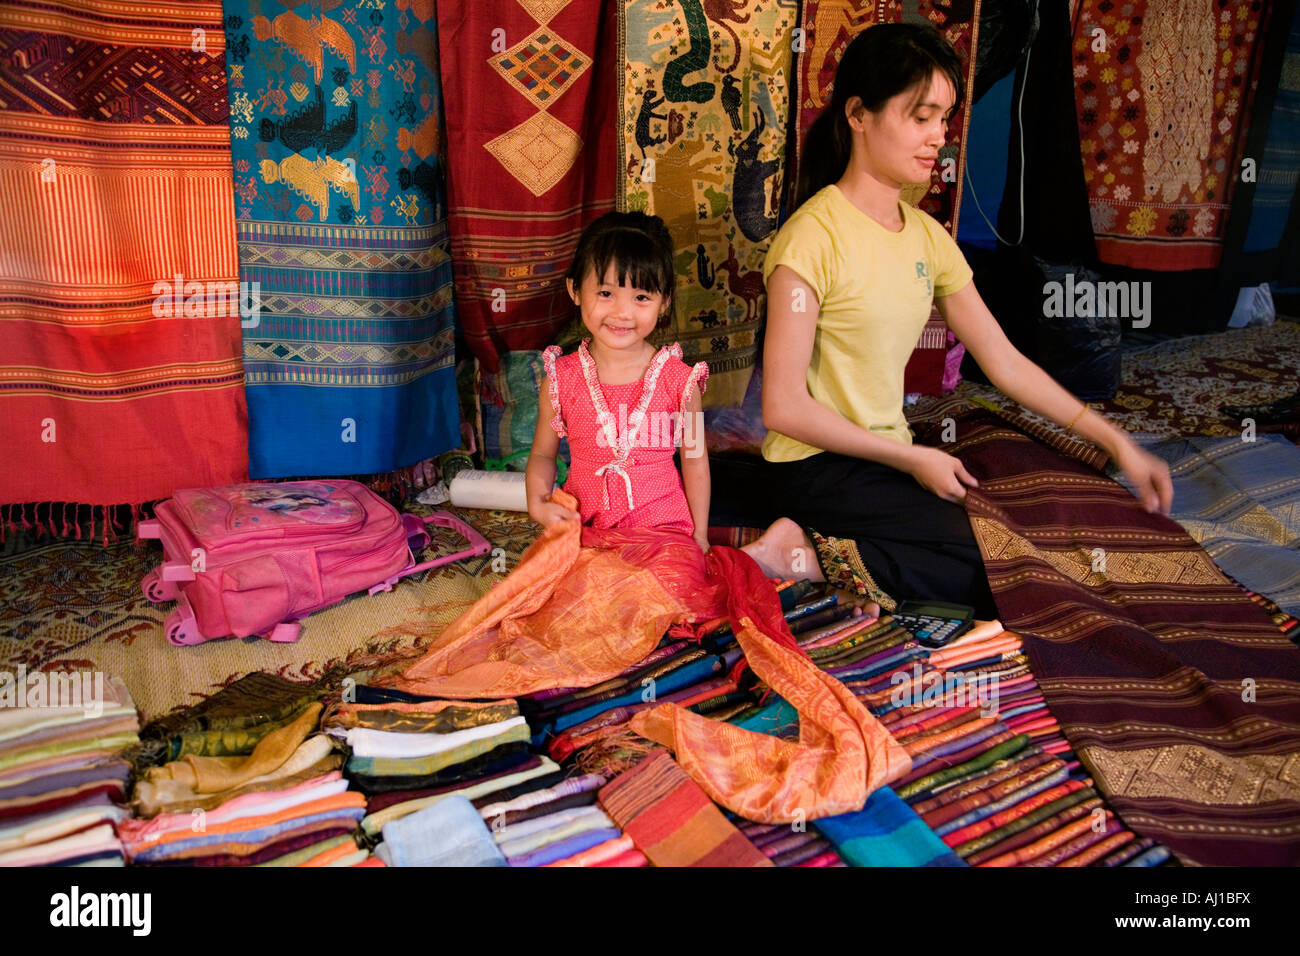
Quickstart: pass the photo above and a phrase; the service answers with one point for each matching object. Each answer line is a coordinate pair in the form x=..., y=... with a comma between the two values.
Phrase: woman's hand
x=703, y=541
x=1148, y=475
x=941, y=473
x=546, y=512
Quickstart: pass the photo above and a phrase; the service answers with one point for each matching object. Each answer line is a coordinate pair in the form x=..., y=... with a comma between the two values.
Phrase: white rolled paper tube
x=489, y=489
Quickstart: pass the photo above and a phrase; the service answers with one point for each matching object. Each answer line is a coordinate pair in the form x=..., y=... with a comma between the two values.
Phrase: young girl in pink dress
x=624, y=405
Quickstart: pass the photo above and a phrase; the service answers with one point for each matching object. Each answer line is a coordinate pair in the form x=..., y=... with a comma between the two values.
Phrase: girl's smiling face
x=617, y=316
x=901, y=143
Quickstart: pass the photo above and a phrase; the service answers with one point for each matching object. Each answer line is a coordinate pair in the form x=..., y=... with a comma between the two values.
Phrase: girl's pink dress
x=622, y=438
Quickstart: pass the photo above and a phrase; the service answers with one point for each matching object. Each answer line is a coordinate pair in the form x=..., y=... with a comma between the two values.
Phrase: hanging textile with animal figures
x=828, y=27
x=1164, y=90
x=335, y=111
x=703, y=119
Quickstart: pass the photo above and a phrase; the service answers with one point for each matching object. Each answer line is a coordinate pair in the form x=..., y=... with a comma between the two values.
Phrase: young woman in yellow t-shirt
x=850, y=278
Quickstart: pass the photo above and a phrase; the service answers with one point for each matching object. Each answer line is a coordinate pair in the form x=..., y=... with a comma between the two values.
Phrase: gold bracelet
x=1075, y=419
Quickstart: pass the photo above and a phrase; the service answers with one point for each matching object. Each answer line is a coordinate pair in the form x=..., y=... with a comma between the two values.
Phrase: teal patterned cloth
x=335, y=119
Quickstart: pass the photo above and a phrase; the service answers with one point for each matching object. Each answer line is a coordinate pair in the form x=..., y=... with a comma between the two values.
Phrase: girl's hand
x=1149, y=476
x=703, y=541
x=547, y=512
x=941, y=473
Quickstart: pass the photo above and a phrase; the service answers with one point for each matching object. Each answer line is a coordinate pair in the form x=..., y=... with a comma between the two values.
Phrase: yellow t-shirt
x=875, y=288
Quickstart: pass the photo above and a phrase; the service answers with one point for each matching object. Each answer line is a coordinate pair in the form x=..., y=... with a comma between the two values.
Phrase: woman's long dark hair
x=638, y=244
x=880, y=62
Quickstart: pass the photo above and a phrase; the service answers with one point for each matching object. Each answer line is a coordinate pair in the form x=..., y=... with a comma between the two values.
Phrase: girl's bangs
x=634, y=257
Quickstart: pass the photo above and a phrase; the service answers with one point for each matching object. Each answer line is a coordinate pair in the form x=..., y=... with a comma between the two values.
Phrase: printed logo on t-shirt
x=923, y=272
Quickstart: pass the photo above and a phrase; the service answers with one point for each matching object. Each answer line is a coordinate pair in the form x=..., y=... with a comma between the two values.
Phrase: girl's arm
x=1020, y=379
x=695, y=466
x=539, y=474
x=790, y=410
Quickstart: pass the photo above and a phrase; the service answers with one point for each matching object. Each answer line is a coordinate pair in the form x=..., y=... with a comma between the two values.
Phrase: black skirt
x=875, y=527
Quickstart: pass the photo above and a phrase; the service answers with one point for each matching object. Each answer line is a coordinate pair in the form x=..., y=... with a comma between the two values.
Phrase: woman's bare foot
x=785, y=552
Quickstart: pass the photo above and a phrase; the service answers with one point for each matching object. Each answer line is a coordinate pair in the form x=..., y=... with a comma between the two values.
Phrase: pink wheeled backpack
x=250, y=559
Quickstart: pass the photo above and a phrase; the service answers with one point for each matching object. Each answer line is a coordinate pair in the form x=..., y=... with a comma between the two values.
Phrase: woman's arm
x=695, y=467
x=790, y=410
x=539, y=473
x=1020, y=379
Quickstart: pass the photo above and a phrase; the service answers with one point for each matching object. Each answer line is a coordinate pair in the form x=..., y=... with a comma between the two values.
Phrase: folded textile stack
x=560, y=825
x=283, y=803
x=672, y=821
x=522, y=825
x=992, y=778
x=403, y=743
x=62, y=773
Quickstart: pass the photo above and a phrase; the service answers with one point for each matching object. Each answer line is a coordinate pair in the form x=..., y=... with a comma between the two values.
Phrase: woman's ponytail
x=826, y=150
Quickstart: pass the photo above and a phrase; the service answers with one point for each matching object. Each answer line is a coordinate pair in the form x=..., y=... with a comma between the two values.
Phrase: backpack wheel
x=156, y=590
x=181, y=627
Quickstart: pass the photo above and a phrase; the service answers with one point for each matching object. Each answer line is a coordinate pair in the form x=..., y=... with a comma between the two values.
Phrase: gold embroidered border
x=1195, y=774
x=842, y=565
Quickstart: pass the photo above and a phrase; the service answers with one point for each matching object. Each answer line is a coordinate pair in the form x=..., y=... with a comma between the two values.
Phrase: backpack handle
x=417, y=533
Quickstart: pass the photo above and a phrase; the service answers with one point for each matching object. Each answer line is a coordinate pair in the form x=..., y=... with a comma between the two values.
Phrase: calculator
x=933, y=623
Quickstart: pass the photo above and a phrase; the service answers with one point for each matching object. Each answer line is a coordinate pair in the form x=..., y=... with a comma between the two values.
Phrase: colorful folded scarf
x=627, y=858
x=522, y=838
x=1082, y=843
x=298, y=845
x=956, y=793
x=885, y=832
x=392, y=806
x=960, y=776
x=431, y=717
x=393, y=745
x=47, y=783
x=307, y=851
x=22, y=832
x=571, y=802
x=991, y=823
x=597, y=854
x=1156, y=856
x=671, y=819
x=115, y=702
x=85, y=729
x=139, y=833
x=565, y=847
x=161, y=786
x=573, y=785
x=243, y=842
x=1025, y=855
x=1117, y=838
x=955, y=753
x=1008, y=836
x=509, y=755
x=287, y=776
x=115, y=742
x=19, y=807
x=449, y=833
x=1012, y=837
x=801, y=854
x=215, y=774
x=95, y=841
x=526, y=769
x=999, y=798
x=429, y=764
x=55, y=764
